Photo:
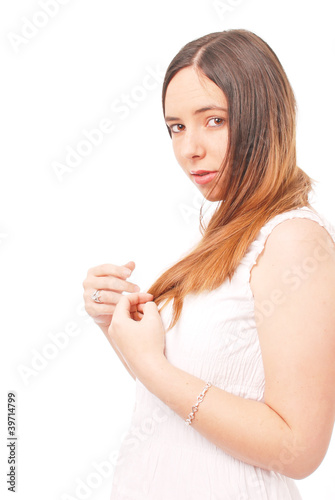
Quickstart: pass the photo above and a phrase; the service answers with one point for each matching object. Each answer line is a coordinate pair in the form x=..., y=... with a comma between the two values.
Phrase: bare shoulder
x=299, y=228
x=296, y=248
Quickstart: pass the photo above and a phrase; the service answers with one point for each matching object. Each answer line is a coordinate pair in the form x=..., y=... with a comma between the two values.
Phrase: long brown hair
x=261, y=178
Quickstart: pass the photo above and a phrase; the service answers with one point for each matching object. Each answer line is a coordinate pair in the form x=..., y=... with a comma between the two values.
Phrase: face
x=196, y=112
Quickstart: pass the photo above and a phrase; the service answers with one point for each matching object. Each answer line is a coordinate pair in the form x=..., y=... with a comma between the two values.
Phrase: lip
x=203, y=179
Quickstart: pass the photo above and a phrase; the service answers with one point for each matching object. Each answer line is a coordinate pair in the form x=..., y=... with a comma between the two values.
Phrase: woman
x=242, y=349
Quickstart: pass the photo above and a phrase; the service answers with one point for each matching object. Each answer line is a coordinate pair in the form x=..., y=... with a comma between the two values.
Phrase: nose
x=192, y=146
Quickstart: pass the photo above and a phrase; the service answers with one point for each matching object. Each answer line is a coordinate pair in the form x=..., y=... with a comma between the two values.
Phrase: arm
x=104, y=328
x=290, y=432
x=298, y=337
x=248, y=430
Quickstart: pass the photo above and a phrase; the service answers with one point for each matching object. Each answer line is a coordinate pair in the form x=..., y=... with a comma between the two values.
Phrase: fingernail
x=127, y=272
x=137, y=288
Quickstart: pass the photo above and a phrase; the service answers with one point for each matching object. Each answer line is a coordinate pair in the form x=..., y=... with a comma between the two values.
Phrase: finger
x=127, y=301
x=106, y=297
x=151, y=312
x=135, y=315
x=150, y=304
x=135, y=299
x=95, y=310
x=150, y=308
x=111, y=283
x=130, y=265
x=112, y=270
x=109, y=300
x=140, y=308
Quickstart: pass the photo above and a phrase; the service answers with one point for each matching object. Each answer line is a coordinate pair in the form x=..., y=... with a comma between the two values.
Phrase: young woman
x=242, y=348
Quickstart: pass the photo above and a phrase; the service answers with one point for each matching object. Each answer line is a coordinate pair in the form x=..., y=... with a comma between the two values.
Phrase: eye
x=216, y=122
x=176, y=128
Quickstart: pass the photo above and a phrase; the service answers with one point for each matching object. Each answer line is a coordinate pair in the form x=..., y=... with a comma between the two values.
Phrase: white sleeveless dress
x=216, y=340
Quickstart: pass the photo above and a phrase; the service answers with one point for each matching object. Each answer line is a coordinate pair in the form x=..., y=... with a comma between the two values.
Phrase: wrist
x=150, y=370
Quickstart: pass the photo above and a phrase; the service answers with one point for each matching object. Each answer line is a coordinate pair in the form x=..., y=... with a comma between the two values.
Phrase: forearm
x=246, y=429
x=105, y=331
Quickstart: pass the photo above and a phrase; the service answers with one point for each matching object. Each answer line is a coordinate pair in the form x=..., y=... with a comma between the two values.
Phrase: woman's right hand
x=110, y=280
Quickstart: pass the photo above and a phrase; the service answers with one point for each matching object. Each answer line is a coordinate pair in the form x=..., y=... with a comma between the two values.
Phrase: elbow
x=301, y=471
x=297, y=469
x=298, y=460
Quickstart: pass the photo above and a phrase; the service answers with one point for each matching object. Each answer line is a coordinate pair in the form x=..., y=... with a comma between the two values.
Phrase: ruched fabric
x=216, y=340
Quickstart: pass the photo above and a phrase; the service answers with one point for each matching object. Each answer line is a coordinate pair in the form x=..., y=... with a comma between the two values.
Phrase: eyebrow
x=196, y=112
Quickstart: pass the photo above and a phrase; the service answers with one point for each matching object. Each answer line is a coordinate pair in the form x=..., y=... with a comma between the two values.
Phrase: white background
x=127, y=200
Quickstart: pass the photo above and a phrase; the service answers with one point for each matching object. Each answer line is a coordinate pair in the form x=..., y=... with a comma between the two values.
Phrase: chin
x=211, y=197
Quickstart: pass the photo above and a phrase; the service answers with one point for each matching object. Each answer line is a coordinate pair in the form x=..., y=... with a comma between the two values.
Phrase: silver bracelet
x=195, y=408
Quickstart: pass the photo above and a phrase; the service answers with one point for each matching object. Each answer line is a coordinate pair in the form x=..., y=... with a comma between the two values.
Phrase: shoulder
x=292, y=239
x=298, y=229
x=295, y=249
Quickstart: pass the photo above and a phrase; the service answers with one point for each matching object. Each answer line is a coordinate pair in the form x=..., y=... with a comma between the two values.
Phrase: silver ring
x=95, y=296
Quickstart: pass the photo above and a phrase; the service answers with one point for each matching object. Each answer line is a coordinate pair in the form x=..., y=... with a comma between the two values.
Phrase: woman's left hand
x=141, y=343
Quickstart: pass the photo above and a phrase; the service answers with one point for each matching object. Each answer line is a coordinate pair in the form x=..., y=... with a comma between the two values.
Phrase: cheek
x=177, y=153
x=219, y=147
